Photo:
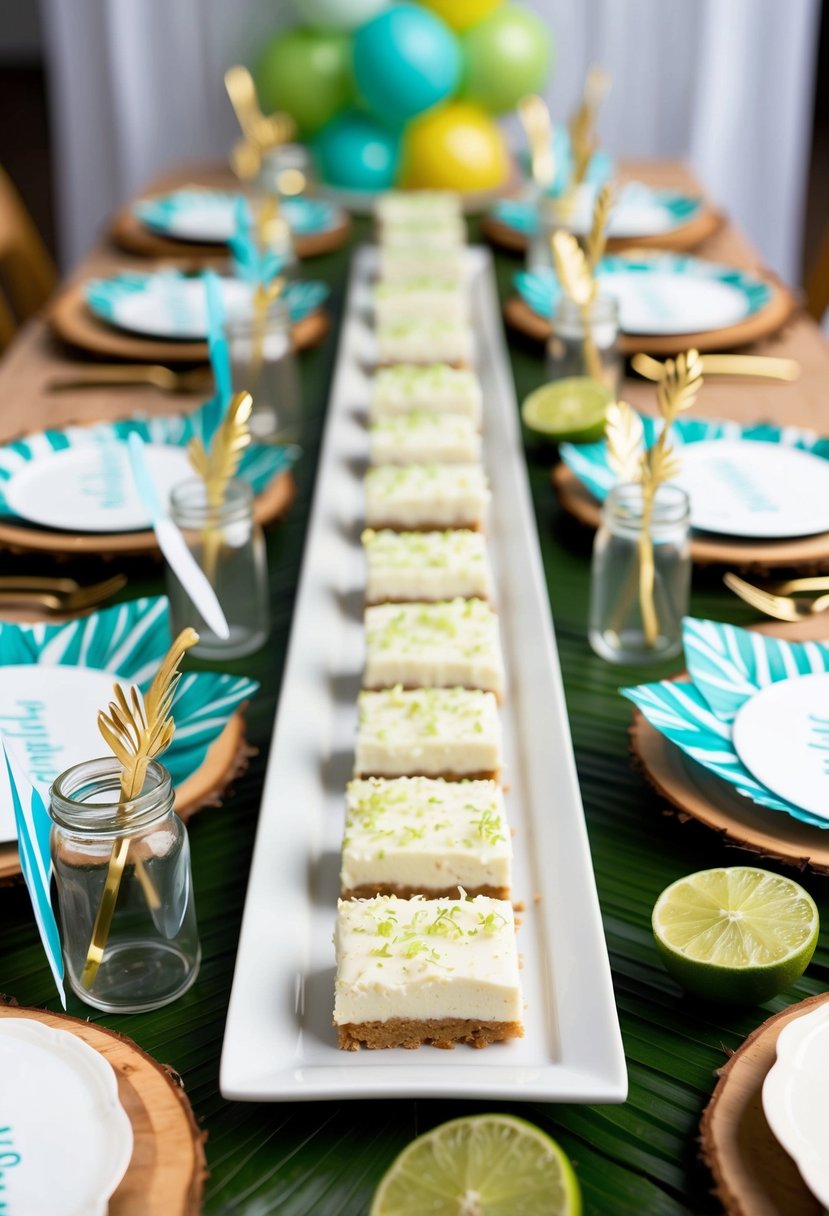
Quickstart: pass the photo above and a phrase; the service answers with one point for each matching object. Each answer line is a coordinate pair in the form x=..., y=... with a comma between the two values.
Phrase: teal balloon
x=508, y=54
x=356, y=153
x=406, y=60
x=306, y=73
x=338, y=14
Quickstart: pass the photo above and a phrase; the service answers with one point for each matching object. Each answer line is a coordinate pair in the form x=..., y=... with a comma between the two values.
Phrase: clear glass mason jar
x=262, y=363
x=229, y=546
x=552, y=213
x=287, y=171
x=569, y=355
x=616, y=626
x=151, y=951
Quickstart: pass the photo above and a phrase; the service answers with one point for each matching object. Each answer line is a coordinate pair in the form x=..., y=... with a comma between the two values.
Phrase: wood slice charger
x=686, y=236
x=805, y=554
x=131, y=234
x=753, y=1174
x=72, y=321
x=165, y=1176
x=761, y=324
x=692, y=793
x=226, y=758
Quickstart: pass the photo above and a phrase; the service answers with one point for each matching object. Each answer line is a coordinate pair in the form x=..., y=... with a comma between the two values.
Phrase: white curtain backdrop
x=136, y=86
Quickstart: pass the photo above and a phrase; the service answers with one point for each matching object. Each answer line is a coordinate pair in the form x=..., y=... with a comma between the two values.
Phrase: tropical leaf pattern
x=542, y=291
x=130, y=640
x=591, y=462
x=260, y=463
x=727, y=666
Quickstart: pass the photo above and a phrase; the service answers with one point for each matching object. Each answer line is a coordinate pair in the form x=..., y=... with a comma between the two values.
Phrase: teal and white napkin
x=727, y=667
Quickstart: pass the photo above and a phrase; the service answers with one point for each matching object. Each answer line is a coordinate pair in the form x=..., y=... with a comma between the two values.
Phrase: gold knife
x=766, y=367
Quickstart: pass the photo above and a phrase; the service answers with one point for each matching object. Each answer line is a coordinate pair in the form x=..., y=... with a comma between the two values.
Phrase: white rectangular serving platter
x=279, y=1040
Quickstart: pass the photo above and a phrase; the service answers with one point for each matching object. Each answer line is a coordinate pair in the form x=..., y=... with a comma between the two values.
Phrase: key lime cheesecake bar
x=418, y=835
x=428, y=732
x=447, y=232
x=403, y=566
x=426, y=497
x=448, y=644
x=425, y=341
x=417, y=206
x=433, y=387
x=439, y=299
x=426, y=972
x=421, y=438
x=399, y=263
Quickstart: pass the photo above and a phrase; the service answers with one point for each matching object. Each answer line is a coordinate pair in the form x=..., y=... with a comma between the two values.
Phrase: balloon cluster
x=403, y=94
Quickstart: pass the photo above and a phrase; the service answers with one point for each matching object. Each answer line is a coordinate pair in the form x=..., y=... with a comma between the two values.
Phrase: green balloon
x=508, y=54
x=307, y=73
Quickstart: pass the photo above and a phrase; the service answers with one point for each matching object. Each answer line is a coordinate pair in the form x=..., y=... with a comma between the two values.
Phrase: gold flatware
x=535, y=119
x=780, y=607
x=55, y=596
x=766, y=367
x=152, y=375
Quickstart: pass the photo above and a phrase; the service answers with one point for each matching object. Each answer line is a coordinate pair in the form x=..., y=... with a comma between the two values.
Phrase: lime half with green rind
x=573, y=410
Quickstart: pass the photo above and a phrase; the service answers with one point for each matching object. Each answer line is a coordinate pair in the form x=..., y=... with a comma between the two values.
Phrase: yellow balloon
x=460, y=14
x=455, y=147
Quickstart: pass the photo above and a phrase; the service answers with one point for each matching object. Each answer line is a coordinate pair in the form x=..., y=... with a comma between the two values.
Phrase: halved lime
x=484, y=1165
x=736, y=934
x=572, y=409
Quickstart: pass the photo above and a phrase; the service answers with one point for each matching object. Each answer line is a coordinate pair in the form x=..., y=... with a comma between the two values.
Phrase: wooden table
x=326, y=1158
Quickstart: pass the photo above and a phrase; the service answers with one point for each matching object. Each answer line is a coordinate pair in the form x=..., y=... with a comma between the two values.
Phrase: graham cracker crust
x=491, y=774
x=429, y=1032
x=368, y=890
x=469, y=525
x=407, y=687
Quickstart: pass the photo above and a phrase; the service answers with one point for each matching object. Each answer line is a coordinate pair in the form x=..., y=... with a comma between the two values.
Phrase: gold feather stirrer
x=582, y=130
x=216, y=467
x=679, y=385
x=535, y=119
x=137, y=729
x=576, y=273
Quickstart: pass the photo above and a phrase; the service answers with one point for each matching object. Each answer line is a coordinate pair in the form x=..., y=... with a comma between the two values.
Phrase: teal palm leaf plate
x=128, y=641
x=727, y=666
x=661, y=294
x=208, y=215
x=640, y=212
x=589, y=461
x=262, y=466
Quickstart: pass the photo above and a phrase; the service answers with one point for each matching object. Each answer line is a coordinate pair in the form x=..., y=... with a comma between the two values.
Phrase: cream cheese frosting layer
x=442, y=645
x=425, y=833
x=426, y=958
x=419, y=495
x=400, y=263
x=426, y=565
x=417, y=206
x=420, y=438
x=433, y=387
x=425, y=340
x=428, y=732
x=437, y=299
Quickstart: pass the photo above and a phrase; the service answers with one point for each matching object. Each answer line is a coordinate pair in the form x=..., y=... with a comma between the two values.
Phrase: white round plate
x=51, y=715
x=637, y=212
x=658, y=302
x=781, y=735
x=176, y=307
x=743, y=487
x=210, y=219
x=66, y=1138
x=91, y=489
x=796, y=1097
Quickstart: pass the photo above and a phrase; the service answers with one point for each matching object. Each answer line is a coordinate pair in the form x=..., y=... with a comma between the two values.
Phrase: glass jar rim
x=190, y=508
x=671, y=505
x=109, y=817
x=241, y=324
x=603, y=307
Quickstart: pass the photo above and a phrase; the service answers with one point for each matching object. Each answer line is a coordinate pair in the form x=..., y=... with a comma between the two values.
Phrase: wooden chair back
x=27, y=273
x=817, y=281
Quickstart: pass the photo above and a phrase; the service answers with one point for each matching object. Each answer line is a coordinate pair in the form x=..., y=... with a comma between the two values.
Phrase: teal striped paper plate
x=208, y=216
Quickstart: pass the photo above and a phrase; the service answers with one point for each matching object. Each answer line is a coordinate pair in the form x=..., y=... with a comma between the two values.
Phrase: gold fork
x=154, y=375
x=781, y=607
x=55, y=595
